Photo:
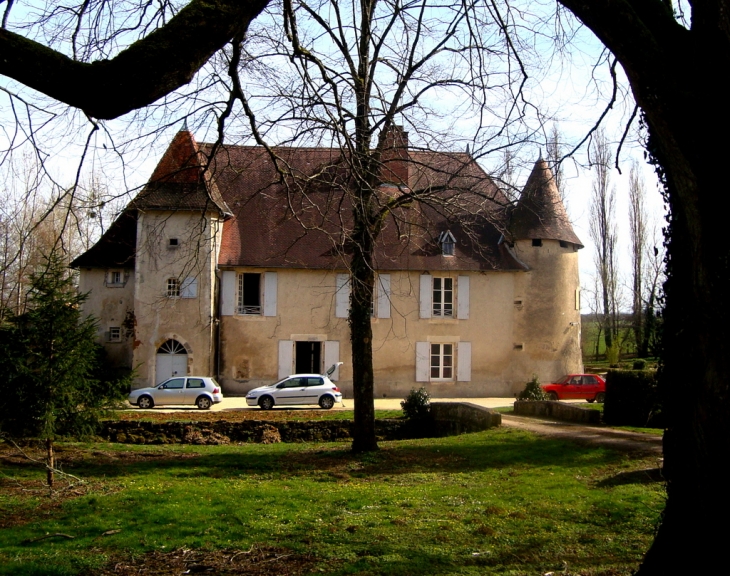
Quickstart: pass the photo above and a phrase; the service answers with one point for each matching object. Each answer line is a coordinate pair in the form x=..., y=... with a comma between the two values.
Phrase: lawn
x=497, y=502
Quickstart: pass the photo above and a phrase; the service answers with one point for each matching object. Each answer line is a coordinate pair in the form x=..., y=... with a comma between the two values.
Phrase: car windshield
x=565, y=380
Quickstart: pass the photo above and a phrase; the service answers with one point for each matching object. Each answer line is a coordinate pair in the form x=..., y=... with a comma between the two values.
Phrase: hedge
x=632, y=399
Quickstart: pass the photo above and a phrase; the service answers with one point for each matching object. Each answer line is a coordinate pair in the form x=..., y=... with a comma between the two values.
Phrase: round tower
x=547, y=329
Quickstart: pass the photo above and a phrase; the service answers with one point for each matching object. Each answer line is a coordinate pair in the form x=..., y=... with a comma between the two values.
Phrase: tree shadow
x=467, y=453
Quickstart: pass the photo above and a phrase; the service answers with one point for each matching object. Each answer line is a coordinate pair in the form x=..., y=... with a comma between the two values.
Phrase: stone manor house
x=224, y=265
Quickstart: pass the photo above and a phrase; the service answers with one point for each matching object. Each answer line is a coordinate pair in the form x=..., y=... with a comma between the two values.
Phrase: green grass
x=497, y=502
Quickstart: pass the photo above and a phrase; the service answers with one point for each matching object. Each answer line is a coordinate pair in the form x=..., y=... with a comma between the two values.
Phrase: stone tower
x=546, y=331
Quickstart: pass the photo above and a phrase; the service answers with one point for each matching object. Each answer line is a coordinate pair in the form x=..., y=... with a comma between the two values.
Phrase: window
x=537, y=242
x=249, y=293
x=174, y=242
x=115, y=278
x=443, y=297
x=115, y=334
x=448, y=243
x=380, y=305
x=442, y=361
x=437, y=362
x=173, y=288
x=196, y=383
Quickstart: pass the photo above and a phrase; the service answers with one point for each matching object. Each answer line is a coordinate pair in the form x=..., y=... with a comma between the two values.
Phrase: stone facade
x=217, y=271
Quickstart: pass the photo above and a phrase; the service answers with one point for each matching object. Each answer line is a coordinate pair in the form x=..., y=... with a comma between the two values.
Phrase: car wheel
x=266, y=403
x=591, y=400
x=553, y=396
x=601, y=397
x=145, y=402
x=326, y=402
x=203, y=402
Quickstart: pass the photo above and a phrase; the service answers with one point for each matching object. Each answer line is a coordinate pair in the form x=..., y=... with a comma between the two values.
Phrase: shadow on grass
x=469, y=452
x=646, y=476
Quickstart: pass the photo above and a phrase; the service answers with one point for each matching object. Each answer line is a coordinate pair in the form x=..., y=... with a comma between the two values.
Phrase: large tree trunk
x=361, y=333
x=676, y=77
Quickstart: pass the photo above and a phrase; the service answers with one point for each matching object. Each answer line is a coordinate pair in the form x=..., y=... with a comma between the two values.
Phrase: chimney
x=395, y=157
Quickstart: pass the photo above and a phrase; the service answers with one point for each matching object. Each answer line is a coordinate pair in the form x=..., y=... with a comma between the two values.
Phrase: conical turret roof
x=540, y=212
x=180, y=181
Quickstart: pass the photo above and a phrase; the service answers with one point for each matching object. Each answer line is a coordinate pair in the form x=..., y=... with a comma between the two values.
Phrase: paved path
x=592, y=435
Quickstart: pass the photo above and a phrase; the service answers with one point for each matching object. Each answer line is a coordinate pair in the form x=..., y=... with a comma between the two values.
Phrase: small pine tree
x=417, y=405
x=533, y=391
x=50, y=358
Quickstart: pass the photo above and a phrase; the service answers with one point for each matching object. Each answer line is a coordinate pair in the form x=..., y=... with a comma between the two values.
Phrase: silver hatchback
x=298, y=389
x=200, y=391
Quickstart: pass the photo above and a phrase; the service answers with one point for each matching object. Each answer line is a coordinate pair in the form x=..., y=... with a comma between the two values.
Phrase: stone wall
x=557, y=410
x=447, y=419
x=462, y=417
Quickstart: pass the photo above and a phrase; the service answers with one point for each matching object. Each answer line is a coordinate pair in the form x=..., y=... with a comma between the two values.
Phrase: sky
x=569, y=86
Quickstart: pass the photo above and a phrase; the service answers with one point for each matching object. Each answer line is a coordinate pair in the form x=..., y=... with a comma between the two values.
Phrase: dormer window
x=448, y=243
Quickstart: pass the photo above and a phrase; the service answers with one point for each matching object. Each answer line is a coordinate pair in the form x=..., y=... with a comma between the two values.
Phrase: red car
x=589, y=386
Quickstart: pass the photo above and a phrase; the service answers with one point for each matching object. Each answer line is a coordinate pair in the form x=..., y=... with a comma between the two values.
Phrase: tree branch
x=147, y=70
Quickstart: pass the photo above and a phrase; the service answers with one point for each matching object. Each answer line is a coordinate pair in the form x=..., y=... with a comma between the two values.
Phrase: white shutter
x=426, y=296
x=331, y=356
x=189, y=288
x=228, y=293
x=382, y=283
x=286, y=358
x=462, y=285
x=342, y=295
x=463, y=366
x=270, y=294
x=423, y=362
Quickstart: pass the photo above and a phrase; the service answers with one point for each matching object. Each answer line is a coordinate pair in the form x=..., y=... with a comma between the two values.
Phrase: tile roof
x=180, y=181
x=305, y=219
x=540, y=213
x=116, y=248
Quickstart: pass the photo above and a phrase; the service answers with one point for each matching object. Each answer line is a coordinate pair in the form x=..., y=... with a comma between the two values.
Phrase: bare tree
x=603, y=234
x=356, y=73
x=637, y=235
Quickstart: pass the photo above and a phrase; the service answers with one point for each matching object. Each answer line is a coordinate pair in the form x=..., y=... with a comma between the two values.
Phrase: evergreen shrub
x=417, y=405
x=533, y=391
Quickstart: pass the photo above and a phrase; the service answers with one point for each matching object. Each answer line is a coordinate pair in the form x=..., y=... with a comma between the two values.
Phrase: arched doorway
x=172, y=360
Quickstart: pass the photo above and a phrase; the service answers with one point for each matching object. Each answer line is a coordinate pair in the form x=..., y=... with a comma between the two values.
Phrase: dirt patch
x=259, y=560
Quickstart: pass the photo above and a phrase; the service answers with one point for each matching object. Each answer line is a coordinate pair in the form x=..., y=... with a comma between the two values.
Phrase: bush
x=417, y=405
x=533, y=391
x=639, y=364
x=632, y=399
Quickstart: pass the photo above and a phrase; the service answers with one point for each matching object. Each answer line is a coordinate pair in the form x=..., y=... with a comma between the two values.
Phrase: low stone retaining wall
x=557, y=410
x=462, y=417
x=447, y=419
